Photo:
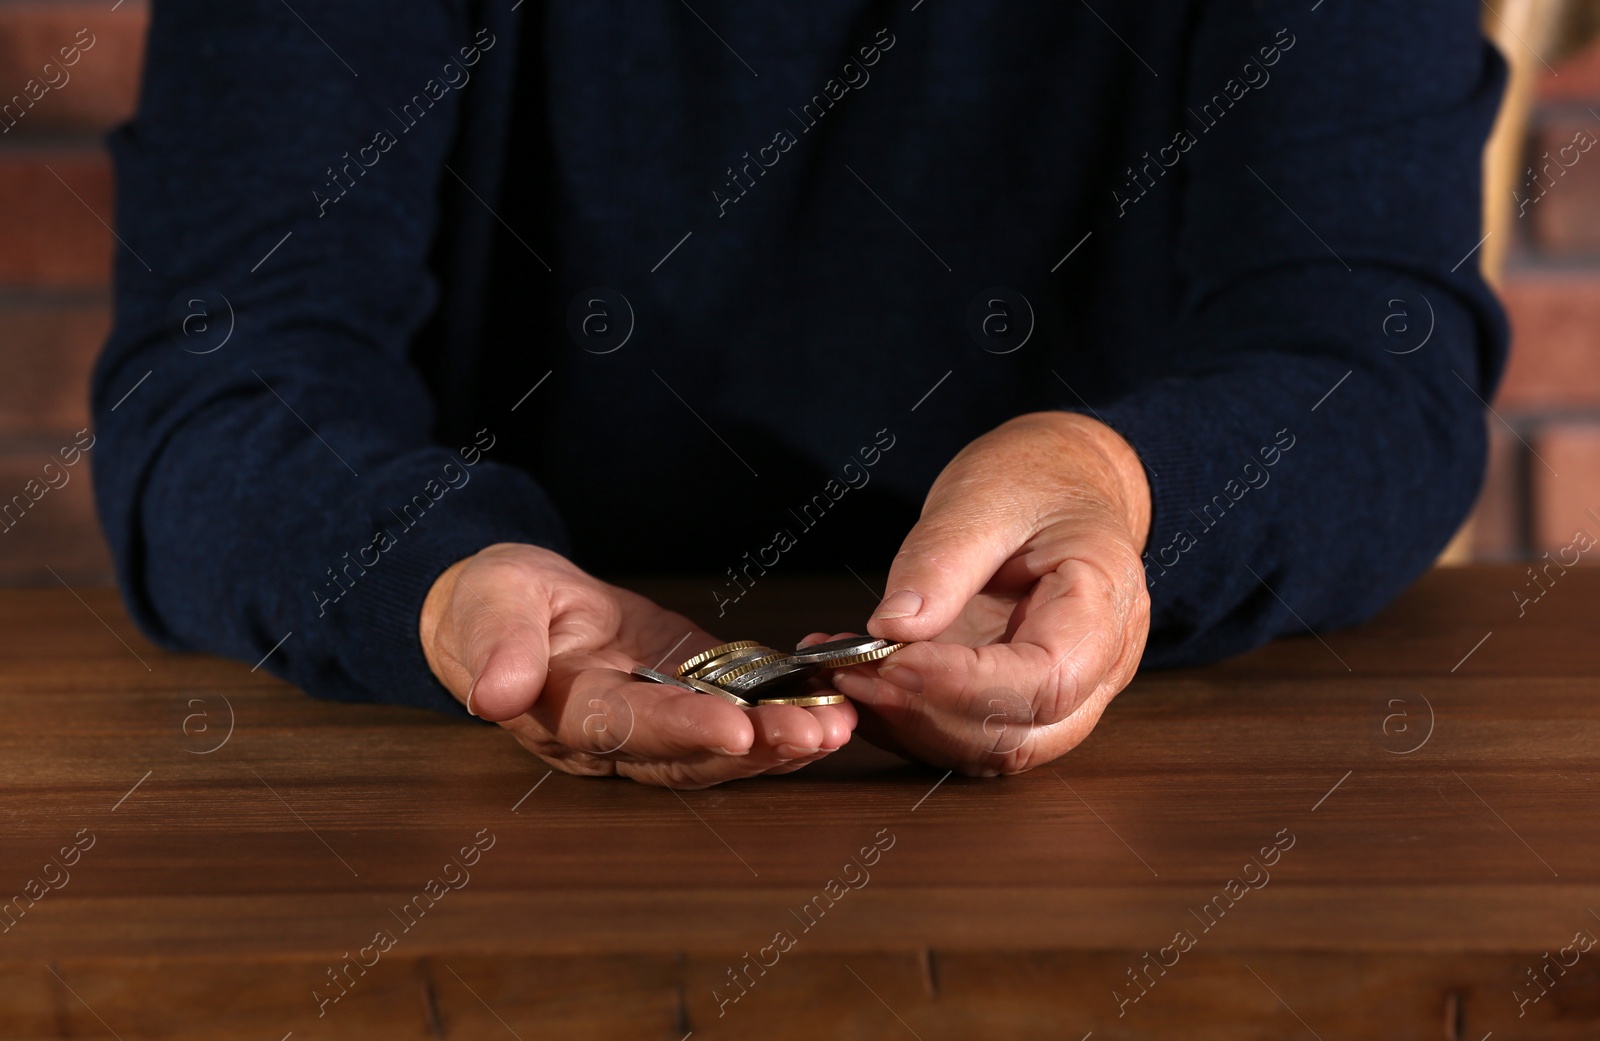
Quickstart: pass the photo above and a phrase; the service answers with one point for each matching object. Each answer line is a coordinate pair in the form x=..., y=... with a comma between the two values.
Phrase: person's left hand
x=1023, y=583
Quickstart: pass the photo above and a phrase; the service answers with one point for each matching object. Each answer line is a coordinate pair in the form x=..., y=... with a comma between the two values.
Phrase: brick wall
x=55, y=256
x=55, y=265
x=1544, y=472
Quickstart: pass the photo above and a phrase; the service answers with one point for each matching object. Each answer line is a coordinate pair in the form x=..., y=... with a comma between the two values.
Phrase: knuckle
x=1068, y=680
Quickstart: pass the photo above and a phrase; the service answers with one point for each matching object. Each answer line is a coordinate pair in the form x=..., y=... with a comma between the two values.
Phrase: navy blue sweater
x=721, y=289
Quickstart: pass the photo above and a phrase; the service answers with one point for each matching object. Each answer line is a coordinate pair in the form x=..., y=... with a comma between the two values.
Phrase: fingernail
x=796, y=751
x=470, y=689
x=728, y=751
x=903, y=603
x=902, y=676
x=854, y=687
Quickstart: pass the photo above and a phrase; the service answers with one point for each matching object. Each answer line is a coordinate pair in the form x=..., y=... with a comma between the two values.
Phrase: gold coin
x=808, y=701
x=715, y=652
x=862, y=658
x=713, y=670
x=750, y=666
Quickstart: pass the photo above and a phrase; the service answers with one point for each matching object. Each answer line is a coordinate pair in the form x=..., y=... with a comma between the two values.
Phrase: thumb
x=948, y=557
x=491, y=622
x=506, y=648
x=510, y=672
x=526, y=623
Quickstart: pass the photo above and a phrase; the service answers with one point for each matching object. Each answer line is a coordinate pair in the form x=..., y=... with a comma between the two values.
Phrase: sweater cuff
x=1186, y=443
x=419, y=525
x=1162, y=434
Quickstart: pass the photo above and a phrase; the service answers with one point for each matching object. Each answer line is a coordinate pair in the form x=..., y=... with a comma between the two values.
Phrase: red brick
x=1576, y=78
x=96, y=92
x=1497, y=519
x=1565, y=479
x=54, y=238
x=1560, y=207
x=59, y=530
x=44, y=369
x=1555, y=353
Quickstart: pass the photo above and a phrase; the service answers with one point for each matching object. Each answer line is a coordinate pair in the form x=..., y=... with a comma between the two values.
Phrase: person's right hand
x=525, y=638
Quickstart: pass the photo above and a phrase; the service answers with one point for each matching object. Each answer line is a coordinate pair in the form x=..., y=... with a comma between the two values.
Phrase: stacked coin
x=747, y=674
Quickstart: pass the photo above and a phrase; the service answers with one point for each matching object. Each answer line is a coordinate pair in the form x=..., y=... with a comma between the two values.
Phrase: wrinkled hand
x=525, y=638
x=1024, y=578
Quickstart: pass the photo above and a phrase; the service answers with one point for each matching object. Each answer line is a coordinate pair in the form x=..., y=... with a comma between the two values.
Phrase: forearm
x=1306, y=458
x=287, y=481
x=1307, y=484
x=235, y=549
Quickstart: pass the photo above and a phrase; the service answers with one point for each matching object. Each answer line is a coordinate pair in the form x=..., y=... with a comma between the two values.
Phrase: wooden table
x=232, y=847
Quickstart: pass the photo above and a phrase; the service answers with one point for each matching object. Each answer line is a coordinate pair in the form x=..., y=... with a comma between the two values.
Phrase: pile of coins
x=747, y=674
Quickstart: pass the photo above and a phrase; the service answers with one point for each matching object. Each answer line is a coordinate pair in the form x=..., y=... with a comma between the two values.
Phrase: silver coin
x=689, y=683
x=658, y=677
x=731, y=662
x=769, y=677
x=822, y=653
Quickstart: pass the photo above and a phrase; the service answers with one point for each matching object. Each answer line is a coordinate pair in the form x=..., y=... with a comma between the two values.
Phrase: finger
x=988, y=747
x=592, y=706
x=696, y=770
x=699, y=772
x=785, y=732
x=948, y=557
x=1073, y=638
x=1093, y=625
x=998, y=732
x=771, y=754
x=911, y=727
x=796, y=764
x=838, y=722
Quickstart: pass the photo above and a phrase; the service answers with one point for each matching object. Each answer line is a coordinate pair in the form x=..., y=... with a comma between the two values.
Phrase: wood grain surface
x=1425, y=784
